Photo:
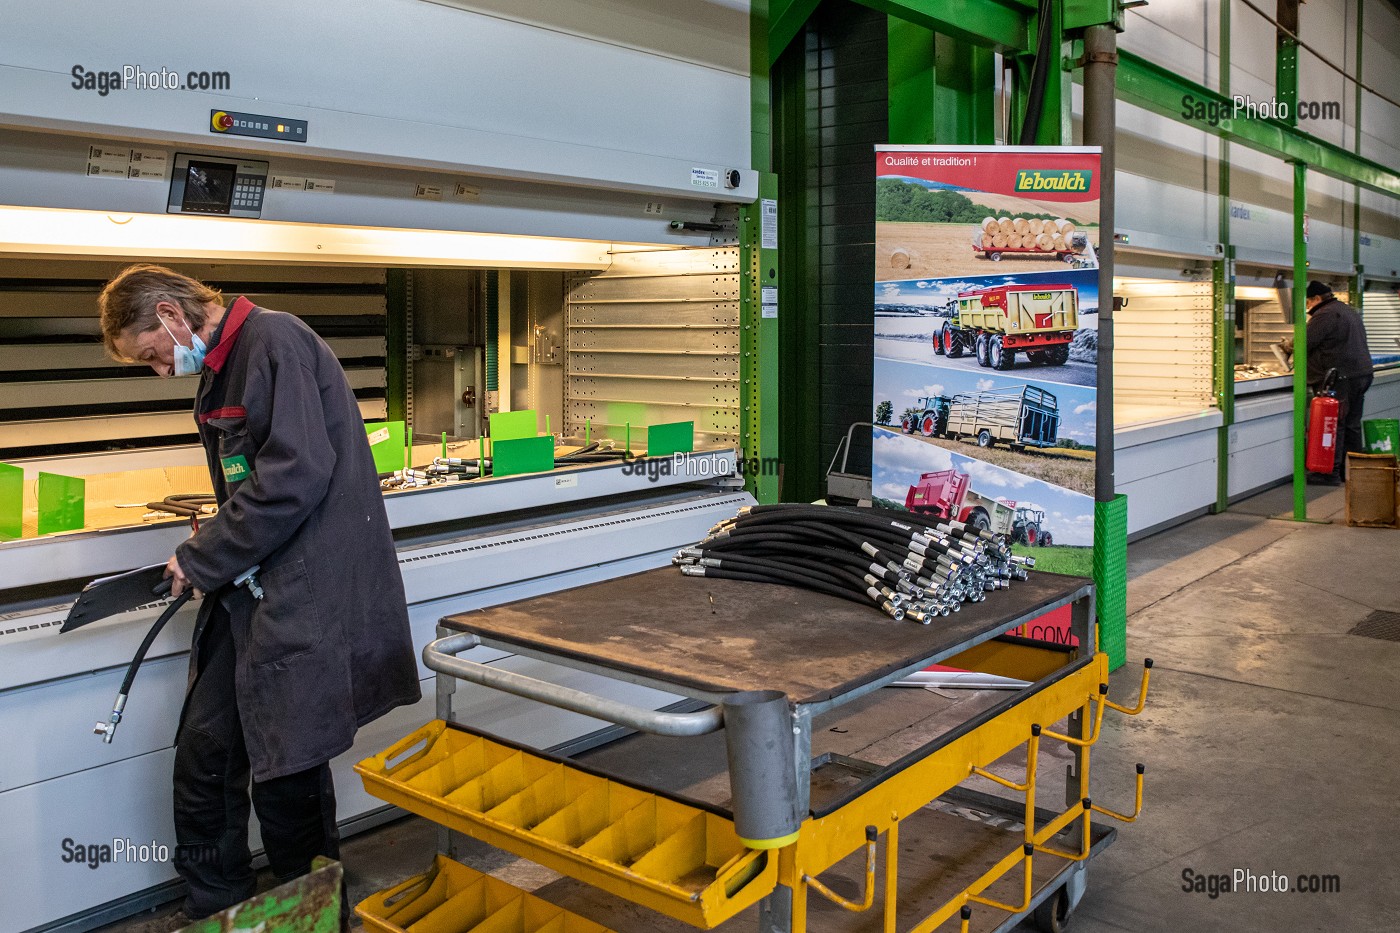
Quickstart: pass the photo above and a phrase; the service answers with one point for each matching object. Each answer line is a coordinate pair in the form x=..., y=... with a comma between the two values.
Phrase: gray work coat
x=327, y=648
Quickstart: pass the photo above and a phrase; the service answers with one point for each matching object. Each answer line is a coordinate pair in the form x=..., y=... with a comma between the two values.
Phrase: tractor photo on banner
x=986, y=308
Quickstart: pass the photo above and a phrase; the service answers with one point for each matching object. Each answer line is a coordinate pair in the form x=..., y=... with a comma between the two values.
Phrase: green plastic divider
x=1382, y=435
x=513, y=425
x=62, y=503
x=1111, y=578
x=678, y=437
x=522, y=455
x=386, y=442
x=11, y=502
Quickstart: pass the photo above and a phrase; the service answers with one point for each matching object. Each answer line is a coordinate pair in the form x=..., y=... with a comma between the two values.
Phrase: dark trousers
x=1351, y=393
x=296, y=812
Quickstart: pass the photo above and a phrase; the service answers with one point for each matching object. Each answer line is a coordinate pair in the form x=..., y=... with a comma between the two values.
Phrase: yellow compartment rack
x=674, y=857
x=452, y=898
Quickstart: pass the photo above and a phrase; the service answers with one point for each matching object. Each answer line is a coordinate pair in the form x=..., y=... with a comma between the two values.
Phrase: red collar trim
x=237, y=314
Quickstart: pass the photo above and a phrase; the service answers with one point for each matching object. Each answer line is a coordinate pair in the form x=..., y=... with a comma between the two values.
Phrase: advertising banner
x=986, y=309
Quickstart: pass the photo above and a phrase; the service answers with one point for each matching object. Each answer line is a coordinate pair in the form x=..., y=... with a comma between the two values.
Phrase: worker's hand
x=178, y=581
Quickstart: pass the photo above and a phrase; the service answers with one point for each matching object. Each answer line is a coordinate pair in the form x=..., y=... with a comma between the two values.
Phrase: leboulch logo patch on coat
x=235, y=468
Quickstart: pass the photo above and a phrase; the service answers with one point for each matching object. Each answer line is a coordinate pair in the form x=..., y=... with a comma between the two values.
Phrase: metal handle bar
x=441, y=656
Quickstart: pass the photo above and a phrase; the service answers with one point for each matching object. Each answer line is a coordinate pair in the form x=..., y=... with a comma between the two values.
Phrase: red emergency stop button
x=222, y=121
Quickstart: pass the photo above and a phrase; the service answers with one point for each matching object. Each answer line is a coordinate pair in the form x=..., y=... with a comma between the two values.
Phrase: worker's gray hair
x=128, y=302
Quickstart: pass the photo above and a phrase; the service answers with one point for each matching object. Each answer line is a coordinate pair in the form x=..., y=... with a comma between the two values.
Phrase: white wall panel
x=1252, y=52
x=1261, y=442
x=392, y=82
x=1380, y=65
x=49, y=170
x=1182, y=36
x=1168, y=471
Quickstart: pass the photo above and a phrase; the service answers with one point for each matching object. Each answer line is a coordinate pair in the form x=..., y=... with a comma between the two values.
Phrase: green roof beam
x=1000, y=24
x=1154, y=88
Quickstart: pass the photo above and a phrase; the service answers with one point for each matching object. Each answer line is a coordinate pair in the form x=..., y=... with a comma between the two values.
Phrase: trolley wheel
x=985, y=439
x=994, y=256
x=1052, y=916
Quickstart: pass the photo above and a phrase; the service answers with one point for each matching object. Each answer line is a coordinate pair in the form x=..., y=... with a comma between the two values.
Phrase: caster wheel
x=1052, y=916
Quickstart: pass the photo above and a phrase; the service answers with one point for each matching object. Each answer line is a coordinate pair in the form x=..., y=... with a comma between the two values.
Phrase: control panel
x=216, y=185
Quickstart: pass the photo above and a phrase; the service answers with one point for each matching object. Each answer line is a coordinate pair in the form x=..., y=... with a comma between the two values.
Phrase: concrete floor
x=1271, y=738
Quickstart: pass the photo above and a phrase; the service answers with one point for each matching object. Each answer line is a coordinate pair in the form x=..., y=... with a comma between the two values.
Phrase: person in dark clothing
x=1337, y=341
x=284, y=669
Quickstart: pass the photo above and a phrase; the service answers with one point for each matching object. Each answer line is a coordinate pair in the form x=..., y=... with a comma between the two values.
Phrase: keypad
x=248, y=193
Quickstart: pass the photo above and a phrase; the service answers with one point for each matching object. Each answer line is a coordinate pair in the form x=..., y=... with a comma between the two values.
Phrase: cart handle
x=441, y=656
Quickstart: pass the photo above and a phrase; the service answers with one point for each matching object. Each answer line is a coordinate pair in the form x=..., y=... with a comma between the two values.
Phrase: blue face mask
x=188, y=360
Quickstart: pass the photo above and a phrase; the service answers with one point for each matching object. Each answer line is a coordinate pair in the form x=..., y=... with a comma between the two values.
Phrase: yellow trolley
x=761, y=662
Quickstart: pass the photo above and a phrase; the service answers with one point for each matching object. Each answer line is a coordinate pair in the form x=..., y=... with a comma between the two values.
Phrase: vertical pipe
x=1300, y=342
x=1100, y=68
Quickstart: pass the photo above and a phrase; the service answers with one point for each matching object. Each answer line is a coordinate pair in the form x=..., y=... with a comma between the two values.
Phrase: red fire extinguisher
x=1323, y=415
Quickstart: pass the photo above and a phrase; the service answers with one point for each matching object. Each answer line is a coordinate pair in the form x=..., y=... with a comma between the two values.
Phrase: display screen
x=209, y=186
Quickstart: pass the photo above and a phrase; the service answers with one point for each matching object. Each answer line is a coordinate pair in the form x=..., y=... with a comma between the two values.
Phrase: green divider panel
x=1111, y=578
x=62, y=503
x=513, y=425
x=522, y=455
x=1382, y=435
x=677, y=437
x=11, y=502
x=386, y=442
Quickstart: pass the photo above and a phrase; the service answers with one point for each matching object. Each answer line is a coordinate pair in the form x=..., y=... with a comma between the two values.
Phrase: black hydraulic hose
x=109, y=728
x=816, y=571
x=828, y=556
x=1035, y=95
x=750, y=564
x=150, y=638
x=858, y=526
x=770, y=578
x=581, y=453
x=830, y=515
x=820, y=565
x=184, y=504
x=850, y=543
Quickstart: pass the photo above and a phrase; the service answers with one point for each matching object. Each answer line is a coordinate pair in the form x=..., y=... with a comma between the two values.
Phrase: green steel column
x=798, y=325
x=758, y=341
x=1300, y=342
x=941, y=88
x=396, y=344
x=910, y=66
x=1286, y=72
x=964, y=96
x=1223, y=290
x=758, y=335
x=1224, y=294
